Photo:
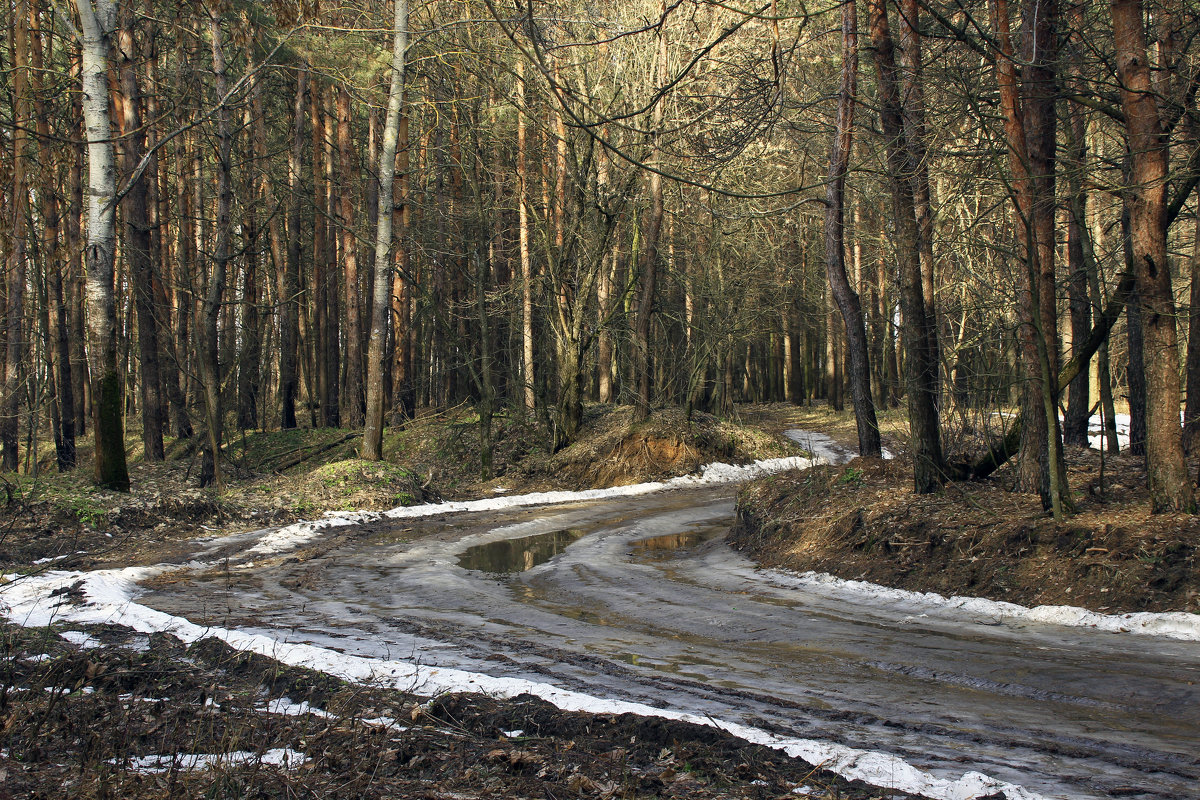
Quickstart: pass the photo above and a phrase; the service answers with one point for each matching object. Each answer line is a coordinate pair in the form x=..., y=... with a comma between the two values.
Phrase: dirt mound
x=613, y=450
x=861, y=521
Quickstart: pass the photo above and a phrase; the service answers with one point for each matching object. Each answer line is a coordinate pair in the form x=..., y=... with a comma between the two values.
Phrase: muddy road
x=640, y=599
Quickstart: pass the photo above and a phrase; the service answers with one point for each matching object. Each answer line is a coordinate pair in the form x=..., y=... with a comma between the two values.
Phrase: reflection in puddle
x=517, y=555
x=660, y=546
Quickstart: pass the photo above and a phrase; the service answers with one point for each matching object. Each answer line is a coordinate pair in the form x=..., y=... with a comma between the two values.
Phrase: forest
x=227, y=216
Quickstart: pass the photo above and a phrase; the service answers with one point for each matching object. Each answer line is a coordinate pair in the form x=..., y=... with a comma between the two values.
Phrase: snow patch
x=285, y=706
x=824, y=449
x=1170, y=624
x=109, y=599
x=150, y=765
x=80, y=639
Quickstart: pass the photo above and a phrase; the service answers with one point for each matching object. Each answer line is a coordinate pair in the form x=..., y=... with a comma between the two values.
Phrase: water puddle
x=510, y=556
x=657, y=547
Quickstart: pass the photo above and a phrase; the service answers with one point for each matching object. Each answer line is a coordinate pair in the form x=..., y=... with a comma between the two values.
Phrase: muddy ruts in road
x=686, y=623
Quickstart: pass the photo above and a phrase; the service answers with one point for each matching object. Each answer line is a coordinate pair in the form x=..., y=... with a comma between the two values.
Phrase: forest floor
x=861, y=521
x=100, y=712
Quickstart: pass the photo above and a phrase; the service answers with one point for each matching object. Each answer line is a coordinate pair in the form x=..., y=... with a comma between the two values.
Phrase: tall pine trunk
x=210, y=366
x=138, y=246
x=13, y=387
x=352, y=393
x=289, y=277
x=1170, y=486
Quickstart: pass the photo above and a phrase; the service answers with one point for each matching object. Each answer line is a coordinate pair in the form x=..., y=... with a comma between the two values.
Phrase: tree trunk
x=97, y=24
x=649, y=261
x=13, y=388
x=835, y=248
x=58, y=336
x=1040, y=466
x=402, y=368
x=289, y=289
x=352, y=393
x=912, y=93
x=210, y=366
x=527, y=366
x=138, y=247
x=1170, y=486
x=1075, y=421
x=73, y=290
x=373, y=433
x=319, y=285
x=921, y=367
x=1192, y=407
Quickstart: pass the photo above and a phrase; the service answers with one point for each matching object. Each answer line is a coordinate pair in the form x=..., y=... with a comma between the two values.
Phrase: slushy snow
x=109, y=600
x=152, y=765
x=1171, y=624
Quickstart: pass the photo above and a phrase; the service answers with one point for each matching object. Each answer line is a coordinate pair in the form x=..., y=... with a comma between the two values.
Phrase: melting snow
x=281, y=757
x=110, y=593
x=1172, y=624
x=288, y=708
x=28, y=600
x=80, y=639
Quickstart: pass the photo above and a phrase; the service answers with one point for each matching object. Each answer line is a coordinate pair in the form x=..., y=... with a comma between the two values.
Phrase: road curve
x=639, y=599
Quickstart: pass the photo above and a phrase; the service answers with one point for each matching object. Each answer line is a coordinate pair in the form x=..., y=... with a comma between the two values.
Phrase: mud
x=75, y=722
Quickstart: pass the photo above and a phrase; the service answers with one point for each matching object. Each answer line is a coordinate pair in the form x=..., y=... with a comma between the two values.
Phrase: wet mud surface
x=129, y=715
x=641, y=600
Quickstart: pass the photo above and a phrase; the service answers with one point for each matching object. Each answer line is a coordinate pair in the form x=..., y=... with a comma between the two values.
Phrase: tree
x=1170, y=486
x=921, y=368
x=835, y=251
x=381, y=297
x=98, y=21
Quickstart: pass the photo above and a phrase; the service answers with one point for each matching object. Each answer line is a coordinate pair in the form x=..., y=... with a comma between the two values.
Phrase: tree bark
x=210, y=365
x=912, y=93
x=138, y=246
x=373, y=433
x=404, y=390
x=12, y=390
x=649, y=260
x=1040, y=466
x=527, y=367
x=97, y=24
x=1075, y=421
x=835, y=247
x=921, y=367
x=289, y=289
x=1191, y=413
x=352, y=392
x=73, y=290
x=1170, y=485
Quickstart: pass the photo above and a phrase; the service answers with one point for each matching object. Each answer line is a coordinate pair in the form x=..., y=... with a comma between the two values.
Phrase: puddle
x=660, y=546
x=509, y=556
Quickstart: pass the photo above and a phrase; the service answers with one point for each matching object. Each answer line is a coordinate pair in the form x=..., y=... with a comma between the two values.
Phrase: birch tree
x=381, y=300
x=98, y=21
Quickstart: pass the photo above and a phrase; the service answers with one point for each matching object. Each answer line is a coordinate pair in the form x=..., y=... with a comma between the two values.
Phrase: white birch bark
x=98, y=19
x=381, y=299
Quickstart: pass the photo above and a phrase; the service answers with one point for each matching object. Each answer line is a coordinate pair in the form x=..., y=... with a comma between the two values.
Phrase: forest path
x=639, y=599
